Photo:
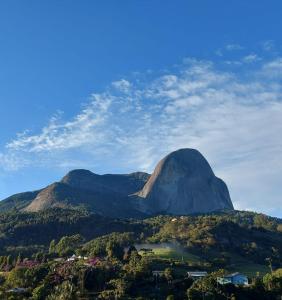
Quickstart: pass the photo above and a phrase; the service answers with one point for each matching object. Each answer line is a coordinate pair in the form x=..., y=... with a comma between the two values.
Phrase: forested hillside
x=73, y=254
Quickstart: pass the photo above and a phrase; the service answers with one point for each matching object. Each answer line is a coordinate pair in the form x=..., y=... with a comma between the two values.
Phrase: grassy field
x=242, y=265
x=238, y=263
x=173, y=253
x=169, y=253
x=250, y=269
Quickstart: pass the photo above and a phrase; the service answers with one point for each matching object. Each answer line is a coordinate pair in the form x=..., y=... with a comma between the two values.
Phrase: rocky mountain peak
x=183, y=182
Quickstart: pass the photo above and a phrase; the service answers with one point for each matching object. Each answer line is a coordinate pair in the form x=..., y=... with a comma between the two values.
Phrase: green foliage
x=119, y=287
x=250, y=235
x=137, y=267
x=205, y=242
x=52, y=247
x=68, y=244
x=105, y=244
x=114, y=250
x=17, y=201
x=168, y=273
x=17, y=278
x=42, y=291
x=26, y=277
x=263, y=221
x=30, y=231
x=65, y=291
x=273, y=281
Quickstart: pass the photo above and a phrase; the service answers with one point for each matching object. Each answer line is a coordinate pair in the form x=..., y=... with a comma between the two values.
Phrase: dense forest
x=74, y=254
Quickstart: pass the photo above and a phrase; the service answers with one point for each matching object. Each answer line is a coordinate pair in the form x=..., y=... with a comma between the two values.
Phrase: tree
x=273, y=281
x=168, y=273
x=114, y=250
x=42, y=291
x=19, y=259
x=65, y=291
x=120, y=286
x=137, y=266
x=68, y=244
x=52, y=247
x=17, y=278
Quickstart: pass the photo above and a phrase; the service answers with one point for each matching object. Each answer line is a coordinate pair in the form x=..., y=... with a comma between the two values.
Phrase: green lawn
x=175, y=254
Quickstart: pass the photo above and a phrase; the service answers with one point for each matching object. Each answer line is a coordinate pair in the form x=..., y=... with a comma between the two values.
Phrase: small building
x=197, y=274
x=234, y=278
x=72, y=258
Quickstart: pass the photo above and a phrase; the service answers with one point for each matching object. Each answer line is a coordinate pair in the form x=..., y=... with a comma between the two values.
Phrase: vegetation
x=79, y=255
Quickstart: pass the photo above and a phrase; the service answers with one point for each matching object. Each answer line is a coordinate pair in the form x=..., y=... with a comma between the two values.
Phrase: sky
x=113, y=86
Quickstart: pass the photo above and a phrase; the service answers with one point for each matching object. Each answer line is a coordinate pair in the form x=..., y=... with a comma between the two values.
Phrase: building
x=197, y=274
x=234, y=278
x=72, y=258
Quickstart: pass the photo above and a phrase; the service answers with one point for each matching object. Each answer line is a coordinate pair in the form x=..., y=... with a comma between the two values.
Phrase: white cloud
x=251, y=58
x=71, y=134
x=273, y=68
x=234, y=119
x=122, y=85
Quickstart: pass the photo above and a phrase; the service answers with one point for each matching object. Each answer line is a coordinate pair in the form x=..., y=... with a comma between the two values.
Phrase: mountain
x=103, y=194
x=182, y=183
x=18, y=201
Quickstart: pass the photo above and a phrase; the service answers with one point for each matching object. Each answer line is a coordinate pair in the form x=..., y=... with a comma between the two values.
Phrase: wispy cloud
x=268, y=45
x=122, y=85
x=251, y=58
x=233, y=47
x=234, y=119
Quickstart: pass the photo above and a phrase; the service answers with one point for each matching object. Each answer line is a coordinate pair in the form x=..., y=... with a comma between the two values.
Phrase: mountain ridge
x=182, y=183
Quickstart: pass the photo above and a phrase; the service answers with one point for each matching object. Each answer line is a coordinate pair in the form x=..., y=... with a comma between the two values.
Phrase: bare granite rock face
x=184, y=183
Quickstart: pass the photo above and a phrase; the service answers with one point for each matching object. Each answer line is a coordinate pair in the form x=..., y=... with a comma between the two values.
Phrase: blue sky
x=112, y=86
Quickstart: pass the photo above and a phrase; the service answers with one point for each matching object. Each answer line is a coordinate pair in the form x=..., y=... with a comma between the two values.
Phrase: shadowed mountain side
x=18, y=201
x=103, y=202
x=123, y=184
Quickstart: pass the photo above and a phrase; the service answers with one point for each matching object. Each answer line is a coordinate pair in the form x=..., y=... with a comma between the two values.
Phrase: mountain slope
x=182, y=183
x=123, y=184
x=18, y=201
x=102, y=194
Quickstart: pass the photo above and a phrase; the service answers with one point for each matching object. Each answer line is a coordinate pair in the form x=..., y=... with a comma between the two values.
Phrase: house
x=72, y=258
x=234, y=278
x=197, y=274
